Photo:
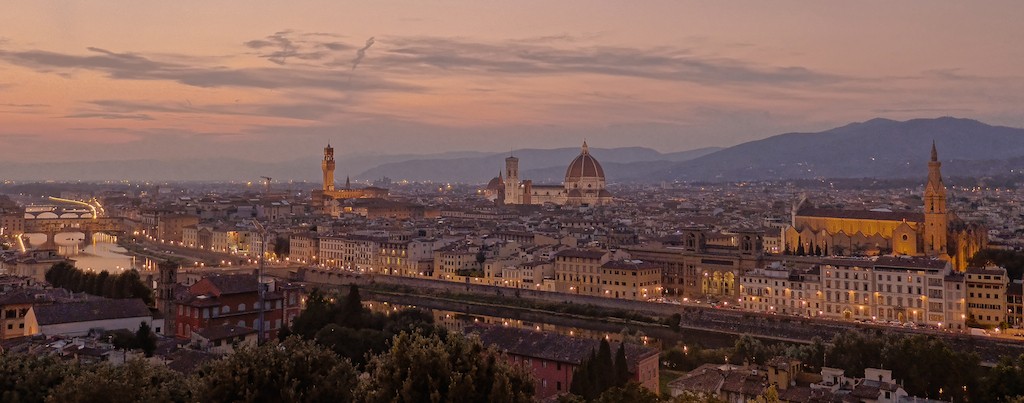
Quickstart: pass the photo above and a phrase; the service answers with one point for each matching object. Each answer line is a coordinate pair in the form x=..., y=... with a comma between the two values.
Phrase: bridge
x=88, y=226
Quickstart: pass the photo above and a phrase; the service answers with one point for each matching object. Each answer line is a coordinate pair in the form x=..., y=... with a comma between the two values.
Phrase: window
x=241, y=307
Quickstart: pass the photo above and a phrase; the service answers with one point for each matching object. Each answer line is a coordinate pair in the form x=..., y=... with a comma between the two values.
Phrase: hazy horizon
x=275, y=82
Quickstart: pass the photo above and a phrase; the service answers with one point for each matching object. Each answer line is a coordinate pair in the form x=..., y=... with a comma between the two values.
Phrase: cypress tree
x=621, y=366
x=605, y=368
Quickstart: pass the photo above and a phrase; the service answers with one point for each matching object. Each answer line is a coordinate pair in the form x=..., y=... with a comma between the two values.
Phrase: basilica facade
x=584, y=184
x=934, y=232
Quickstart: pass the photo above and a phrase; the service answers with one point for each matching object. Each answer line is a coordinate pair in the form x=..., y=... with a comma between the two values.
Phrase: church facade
x=934, y=232
x=584, y=184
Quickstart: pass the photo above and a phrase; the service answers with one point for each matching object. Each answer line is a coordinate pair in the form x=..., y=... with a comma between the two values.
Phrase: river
x=103, y=254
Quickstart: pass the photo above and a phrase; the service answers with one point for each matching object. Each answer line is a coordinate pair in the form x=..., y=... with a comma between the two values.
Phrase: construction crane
x=266, y=184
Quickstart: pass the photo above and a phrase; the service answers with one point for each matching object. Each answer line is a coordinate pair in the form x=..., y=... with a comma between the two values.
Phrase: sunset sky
x=274, y=80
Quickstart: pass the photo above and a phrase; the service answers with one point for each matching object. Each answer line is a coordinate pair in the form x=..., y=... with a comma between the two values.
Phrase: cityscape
x=511, y=203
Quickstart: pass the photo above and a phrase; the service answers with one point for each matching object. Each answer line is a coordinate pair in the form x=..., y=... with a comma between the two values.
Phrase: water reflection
x=102, y=254
x=459, y=321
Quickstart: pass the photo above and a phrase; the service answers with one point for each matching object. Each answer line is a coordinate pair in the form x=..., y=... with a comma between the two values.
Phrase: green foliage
x=145, y=339
x=1005, y=382
x=290, y=371
x=420, y=368
x=621, y=366
x=127, y=284
x=351, y=330
x=672, y=321
x=631, y=392
x=1012, y=261
x=135, y=381
x=30, y=378
x=600, y=372
x=925, y=364
x=770, y=395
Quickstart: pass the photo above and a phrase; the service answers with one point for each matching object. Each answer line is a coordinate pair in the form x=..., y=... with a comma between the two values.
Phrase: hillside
x=878, y=148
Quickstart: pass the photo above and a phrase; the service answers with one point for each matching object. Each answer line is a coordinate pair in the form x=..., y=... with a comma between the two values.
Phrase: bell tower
x=328, y=167
x=936, y=217
x=167, y=280
x=513, y=195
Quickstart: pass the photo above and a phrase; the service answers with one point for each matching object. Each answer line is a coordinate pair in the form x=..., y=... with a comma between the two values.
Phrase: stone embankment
x=695, y=317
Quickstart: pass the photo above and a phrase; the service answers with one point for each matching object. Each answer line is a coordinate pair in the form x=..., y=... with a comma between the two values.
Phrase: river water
x=103, y=254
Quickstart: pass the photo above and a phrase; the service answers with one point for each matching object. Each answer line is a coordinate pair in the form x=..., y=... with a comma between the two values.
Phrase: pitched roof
x=553, y=346
x=580, y=253
x=862, y=214
x=234, y=283
x=86, y=311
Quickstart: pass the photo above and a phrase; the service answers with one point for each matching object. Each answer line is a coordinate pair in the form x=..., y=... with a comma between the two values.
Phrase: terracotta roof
x=910, y=262
x=584, y=166
x=580, y=253
x=629, y=265
x=862, y=214
x=234, y=283
x=553, y=346
x=85, y=311
x=707, y=379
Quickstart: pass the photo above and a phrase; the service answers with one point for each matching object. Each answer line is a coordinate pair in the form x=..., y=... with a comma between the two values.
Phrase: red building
x=553, y=357
x=221, y=300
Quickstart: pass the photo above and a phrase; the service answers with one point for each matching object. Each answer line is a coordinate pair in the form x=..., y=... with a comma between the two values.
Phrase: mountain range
x=877, y=148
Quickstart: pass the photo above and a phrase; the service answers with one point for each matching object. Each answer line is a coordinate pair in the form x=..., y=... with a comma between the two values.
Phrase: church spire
x=935, y=153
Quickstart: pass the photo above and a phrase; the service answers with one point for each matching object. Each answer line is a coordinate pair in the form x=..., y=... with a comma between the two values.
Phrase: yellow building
x=630, y=279
x=986, y=295
x=935, y=232
x=579, y=271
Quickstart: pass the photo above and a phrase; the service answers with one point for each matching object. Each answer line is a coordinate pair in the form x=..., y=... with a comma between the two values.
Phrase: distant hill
x=878, y=148
x=211, y=169
x=537, y=164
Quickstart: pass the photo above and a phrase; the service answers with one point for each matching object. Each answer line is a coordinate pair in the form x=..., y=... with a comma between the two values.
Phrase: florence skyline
x=270, y=81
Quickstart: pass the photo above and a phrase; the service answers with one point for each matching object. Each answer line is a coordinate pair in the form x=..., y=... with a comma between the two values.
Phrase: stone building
x=934, y=232
x=584, y=184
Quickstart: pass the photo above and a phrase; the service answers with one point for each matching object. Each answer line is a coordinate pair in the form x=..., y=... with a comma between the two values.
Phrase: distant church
x=584, y=185
x=328, y=192
x=936, y=232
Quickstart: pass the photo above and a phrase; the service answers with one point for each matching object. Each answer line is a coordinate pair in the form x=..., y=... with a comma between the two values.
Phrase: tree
x=30, y=378
x=351, y=312
x=291, y=371
x=800, y=247
x=420, y=368
x=605, y=368
x=770, y=395
x=282, y=246
x=631, y=392
x=145, y=339
x=1005, y=380
x=621, y=366
x=136, y=381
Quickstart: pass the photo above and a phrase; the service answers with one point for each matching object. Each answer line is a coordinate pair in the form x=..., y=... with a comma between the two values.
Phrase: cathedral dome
x=496, y=184
x=584, y=166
